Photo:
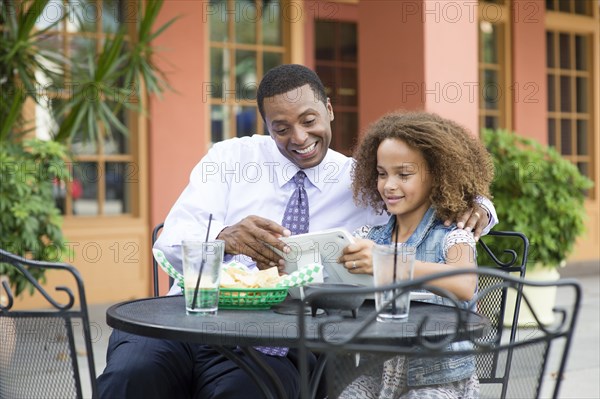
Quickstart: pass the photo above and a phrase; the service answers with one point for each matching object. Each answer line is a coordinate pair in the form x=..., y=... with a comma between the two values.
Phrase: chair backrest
x=40, y=349
x=155, y=280
x=507, y=251
x=540, y=351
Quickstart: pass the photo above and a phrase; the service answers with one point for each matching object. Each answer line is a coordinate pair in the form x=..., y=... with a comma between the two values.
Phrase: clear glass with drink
x=201, y=274
x=391, y=264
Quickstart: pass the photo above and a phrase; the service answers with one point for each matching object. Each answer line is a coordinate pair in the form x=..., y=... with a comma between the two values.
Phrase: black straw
x=201, y=265
x=395, y=267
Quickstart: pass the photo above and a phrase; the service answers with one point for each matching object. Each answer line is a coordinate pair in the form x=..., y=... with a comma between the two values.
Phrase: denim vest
x=428, y=238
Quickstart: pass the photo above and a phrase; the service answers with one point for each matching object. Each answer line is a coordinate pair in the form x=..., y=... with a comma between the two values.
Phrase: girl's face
x=404, y=181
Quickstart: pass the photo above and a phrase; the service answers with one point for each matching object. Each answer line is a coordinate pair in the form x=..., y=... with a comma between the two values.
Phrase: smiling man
x=246, y=184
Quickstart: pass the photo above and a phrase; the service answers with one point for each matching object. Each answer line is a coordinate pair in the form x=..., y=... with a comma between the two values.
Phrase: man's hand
x=475, y=219
x=250, y=236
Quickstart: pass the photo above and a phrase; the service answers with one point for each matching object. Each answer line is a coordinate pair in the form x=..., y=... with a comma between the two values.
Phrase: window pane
x=246, y=121
x=564, y=5
x=565, y=94
x=582, y=94
x=584, y=168
x=51, y=15
x=219, y=118
x=345, y=128
x=565, y=137
x=550, y=50
x=85, y=188
x=83, y=15
x=348, y=49
x=246, y=17
x=582, y=137
x=115, y=13
x=325, y=40
x=245, y=75
x=119, y=177
x=118, y=143
x=271, y=23
x=347, y=93
x=327, y=75
x=81, y=49
x=491, y=122
x=218, y=20
x=271, y=60
x=582, y=7
x=491, y=89
x=552, y=132
x=79, y=146
x=551, y=93
x=489, y=36
x=219, y=69
x=59, y=193
x=565, y=51
x=115, y=141
x=581, y=51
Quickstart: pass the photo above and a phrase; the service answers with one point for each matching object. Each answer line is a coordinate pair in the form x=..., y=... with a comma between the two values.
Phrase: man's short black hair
x=284, y=78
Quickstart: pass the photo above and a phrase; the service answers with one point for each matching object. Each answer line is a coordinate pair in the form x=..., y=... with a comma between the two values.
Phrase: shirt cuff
x=488, y=206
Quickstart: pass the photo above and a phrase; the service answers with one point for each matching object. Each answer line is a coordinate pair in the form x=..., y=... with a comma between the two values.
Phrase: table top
x=165, y=317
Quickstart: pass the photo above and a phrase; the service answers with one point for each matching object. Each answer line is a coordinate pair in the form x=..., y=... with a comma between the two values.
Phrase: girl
x=422, y=169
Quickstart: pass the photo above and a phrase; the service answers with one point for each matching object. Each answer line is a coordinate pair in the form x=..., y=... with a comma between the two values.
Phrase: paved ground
x=583, y=367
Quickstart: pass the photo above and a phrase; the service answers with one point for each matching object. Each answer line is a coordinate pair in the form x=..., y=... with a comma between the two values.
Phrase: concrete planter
x=542, y=300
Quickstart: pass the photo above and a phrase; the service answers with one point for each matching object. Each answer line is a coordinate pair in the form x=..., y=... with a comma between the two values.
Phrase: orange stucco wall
x=409, y=59
x=451, y=74
x=391, y=57
x=178, y=120
x=530, y=103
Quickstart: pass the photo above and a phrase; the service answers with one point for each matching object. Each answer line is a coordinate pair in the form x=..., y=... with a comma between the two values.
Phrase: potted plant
x=541, y=194
x=34, y=171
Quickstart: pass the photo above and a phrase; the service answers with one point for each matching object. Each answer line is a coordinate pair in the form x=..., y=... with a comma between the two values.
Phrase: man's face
x=300, y=124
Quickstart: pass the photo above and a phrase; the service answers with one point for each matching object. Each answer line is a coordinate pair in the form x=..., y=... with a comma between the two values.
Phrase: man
x=246, y=185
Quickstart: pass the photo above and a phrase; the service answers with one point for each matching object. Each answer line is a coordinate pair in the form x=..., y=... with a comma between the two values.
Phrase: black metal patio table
x=165, y=317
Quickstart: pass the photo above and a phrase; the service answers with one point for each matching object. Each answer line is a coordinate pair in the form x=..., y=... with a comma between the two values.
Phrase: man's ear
x=329, y=110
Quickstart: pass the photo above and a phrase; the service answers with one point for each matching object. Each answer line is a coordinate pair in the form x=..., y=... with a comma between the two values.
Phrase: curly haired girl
x=422, y=169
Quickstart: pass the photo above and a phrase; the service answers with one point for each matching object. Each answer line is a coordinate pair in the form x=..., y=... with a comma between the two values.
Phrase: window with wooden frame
x=572, y=43
x=104, y=171
x=336, y=63
x=495, y=95
x=247, y=38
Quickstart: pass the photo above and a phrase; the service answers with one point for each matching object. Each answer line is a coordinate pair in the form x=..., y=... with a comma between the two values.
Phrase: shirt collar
x=286, y=169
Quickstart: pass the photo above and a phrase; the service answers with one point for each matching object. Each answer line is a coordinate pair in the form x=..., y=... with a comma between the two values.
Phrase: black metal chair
x=536, y=353
x=40, y=349
x=155, y=280
x=506, y=251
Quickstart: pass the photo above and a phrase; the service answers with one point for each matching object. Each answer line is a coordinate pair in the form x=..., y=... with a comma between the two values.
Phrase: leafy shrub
x=539, y=193
x=30, y=222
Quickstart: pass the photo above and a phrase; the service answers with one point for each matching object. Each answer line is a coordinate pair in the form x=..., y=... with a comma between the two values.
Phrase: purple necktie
x=295, y=219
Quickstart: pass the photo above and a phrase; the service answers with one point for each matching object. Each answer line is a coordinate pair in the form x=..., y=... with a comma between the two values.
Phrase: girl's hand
x=357, y=257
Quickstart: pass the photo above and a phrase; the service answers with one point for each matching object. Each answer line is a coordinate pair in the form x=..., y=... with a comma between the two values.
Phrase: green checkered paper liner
x=296, y=279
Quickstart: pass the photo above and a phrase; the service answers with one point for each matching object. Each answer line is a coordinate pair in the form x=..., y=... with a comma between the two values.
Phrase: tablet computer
x=324, y=247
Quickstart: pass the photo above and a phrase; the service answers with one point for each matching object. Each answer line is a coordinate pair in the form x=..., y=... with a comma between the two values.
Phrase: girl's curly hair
x=460, y=165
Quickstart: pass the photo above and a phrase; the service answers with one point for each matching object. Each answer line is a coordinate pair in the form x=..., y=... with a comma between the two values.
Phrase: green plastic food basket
x=250, y=298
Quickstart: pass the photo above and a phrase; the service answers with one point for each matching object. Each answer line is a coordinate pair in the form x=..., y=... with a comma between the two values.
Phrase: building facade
x=531, y=66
